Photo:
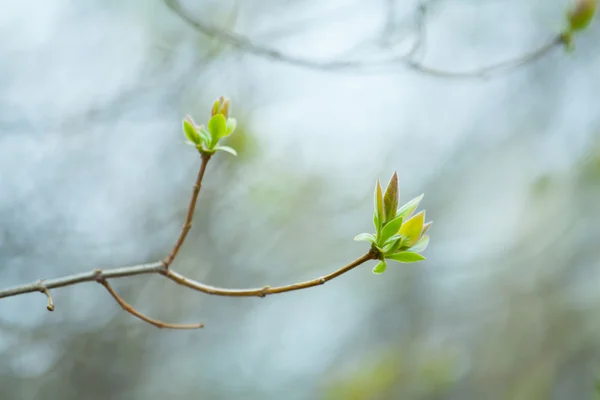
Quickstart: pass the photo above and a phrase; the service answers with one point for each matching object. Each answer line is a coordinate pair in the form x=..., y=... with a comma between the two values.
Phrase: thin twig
x=486, y=71
x=390, y=19
x=187, y=225
x=127, y=307
x=245, y=44
x=420, y=22
x=388, y=37
x=266, y=290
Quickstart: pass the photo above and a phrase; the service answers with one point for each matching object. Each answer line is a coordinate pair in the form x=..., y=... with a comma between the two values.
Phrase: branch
x=486, y=71
x=267, y=290
x=187, y=225
x=207, y=145
x=135, y=313
x=247, y=45
x=75, y=279
x=101, y=276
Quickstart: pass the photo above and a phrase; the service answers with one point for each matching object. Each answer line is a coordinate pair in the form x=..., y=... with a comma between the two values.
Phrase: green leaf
x=406, y=210
x=581, y=15
x=204, y=134
x=392, y=245
x=226, y=149
x=390, y=199
x=389, y=229
x=393, y=238
x=421, y=245
x=230, y=126
x=406, y=257
x=411, y=229
x=217, y=126
x=190, y=132
x=365, y=237
x=379, y=210
x=380, y=268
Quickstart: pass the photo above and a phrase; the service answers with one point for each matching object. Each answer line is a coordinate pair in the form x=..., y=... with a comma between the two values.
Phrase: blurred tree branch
x=406, y=60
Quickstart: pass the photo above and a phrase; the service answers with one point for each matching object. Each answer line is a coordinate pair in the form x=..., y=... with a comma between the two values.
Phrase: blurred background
x=329, y=97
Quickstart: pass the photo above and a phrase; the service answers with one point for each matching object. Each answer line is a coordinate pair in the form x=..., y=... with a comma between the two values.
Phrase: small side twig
x=127, y=307
x=43, y=289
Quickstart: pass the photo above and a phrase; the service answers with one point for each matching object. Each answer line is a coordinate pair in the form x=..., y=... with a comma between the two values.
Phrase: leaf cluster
x=399, y=235
x=206, y=139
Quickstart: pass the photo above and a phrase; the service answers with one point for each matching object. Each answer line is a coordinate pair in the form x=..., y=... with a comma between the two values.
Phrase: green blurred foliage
x=412, y=372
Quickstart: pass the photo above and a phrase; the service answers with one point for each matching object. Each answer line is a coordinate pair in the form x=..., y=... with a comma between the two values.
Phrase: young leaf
x=230, y=126
x=426, y=227
x=365, y=237
x=216, y=106
x=581, y=15
x=421, y=245
x=376, y=223
x=392, y=245
x=190, y=132
x=379, y=210
x=390, y=229
x=380, y=268
x=226, y=149
x=393, y=238
x=406, y=210
x=224, y=109
x=204, y=134
x=411, y=229
x=406, y=257
x=217, y=126
x=390, y=199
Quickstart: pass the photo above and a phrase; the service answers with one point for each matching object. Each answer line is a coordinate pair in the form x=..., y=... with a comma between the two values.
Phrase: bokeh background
x=94, y=173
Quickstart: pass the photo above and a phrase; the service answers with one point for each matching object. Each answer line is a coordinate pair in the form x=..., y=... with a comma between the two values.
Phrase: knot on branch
x=99, y=277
